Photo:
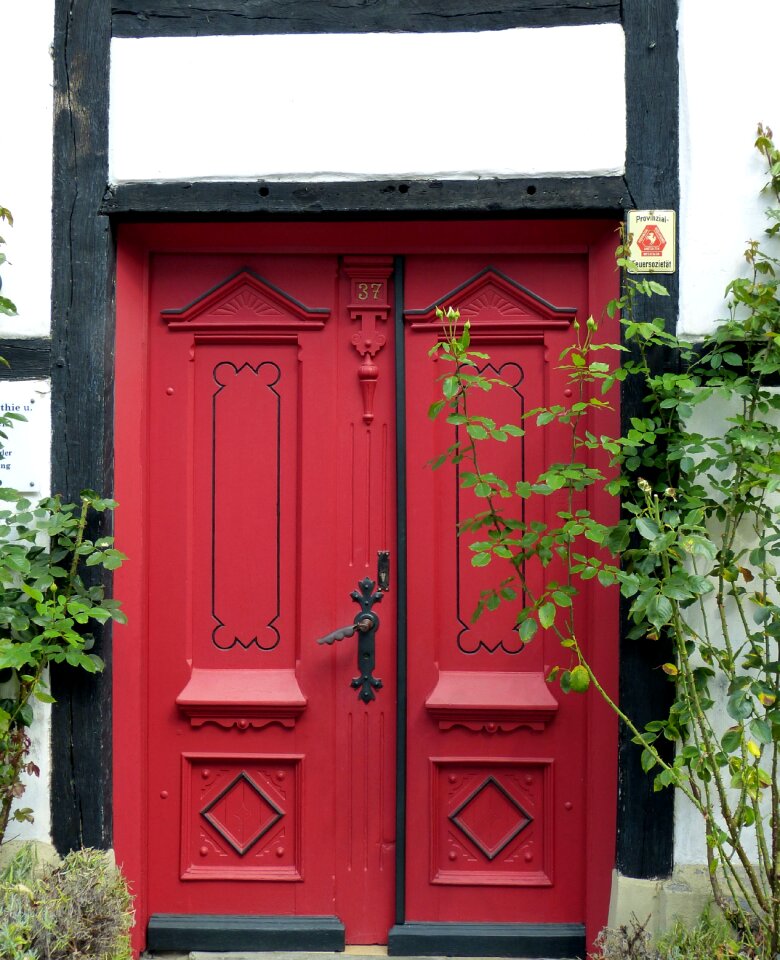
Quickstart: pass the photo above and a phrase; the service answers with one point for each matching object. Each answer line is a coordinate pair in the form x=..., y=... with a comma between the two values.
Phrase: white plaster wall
x=505, y=103
x=27, y=30
x=25, y=465
x=728, y=83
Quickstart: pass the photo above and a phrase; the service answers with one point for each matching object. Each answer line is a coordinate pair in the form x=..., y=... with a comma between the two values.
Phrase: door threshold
x=222, y=955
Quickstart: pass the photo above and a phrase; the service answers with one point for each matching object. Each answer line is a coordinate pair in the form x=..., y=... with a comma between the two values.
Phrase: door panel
x=271, y=453
x=497, y=757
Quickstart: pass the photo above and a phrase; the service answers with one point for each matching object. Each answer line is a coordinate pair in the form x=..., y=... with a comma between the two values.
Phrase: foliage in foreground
x=48, y=611
x=695, y=554
x=49, y=608
x=80, y=908
x=710, y=938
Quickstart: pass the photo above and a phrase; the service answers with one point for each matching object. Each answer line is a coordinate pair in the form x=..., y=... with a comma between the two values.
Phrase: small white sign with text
x=24, y=458
x=652, y=241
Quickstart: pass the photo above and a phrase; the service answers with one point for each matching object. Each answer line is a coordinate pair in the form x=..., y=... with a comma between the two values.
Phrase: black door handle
x=365, y=624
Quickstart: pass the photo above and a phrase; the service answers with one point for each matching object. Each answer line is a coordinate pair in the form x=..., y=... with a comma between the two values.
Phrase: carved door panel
x=500, y=800
x=271, y=458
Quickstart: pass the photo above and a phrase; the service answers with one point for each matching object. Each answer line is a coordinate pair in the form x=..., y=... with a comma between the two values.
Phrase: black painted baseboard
x=549, y=940
x=226, y=932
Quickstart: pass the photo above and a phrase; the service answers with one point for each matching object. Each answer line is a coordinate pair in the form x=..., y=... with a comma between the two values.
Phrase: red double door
x=262, y=376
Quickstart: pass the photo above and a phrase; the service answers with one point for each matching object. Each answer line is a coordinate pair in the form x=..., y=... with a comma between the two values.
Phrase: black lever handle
x=366, y=624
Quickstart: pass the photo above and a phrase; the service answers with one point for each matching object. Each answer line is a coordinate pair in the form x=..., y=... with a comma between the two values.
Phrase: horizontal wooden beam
x=27, y=359
x=185, y=18
x=376, y=197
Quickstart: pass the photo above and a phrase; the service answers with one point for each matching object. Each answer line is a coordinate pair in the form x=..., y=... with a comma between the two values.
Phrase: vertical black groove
x=645, y=835
x=401, y=592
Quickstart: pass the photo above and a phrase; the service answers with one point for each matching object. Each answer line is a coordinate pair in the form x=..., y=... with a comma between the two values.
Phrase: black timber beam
x=82, y=389
x=26, y=359
x=185, y=18
x=586, y=195
x=645, y=841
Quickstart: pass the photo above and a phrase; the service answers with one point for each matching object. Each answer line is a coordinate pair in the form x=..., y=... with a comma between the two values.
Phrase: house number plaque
x=370, y=309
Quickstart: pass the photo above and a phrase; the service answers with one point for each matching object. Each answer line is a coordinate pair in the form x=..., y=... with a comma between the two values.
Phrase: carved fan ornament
x=245, y=301
x=495, y=304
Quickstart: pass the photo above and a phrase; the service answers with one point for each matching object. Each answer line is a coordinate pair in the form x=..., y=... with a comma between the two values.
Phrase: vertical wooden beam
x=82, y=365
x=645, y=846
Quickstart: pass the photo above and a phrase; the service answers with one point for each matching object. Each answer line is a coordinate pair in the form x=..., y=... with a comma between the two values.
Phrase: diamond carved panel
x=490, y=817
x=492, y=822
x=242, y=813
x=241, y=817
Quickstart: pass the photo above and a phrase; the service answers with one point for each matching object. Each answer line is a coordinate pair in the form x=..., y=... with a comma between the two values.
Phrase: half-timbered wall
x=546, y=107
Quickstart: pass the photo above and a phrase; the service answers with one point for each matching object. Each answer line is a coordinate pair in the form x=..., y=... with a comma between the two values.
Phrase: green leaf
x=647, y=760
x=699, y=546
x=528, y=629
x=547, y=615
x=731, y=740
x=659, y=611
x=739, y=706
x=579, y=679
x=761, y=730
x=647, y=528
x=450, y=387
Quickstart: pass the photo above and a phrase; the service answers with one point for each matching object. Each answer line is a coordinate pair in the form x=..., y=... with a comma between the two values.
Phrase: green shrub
x=630, y=941
x=710, y=938
x=80, y=908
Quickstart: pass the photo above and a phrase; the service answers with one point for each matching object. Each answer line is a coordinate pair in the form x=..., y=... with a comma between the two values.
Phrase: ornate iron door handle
x=365, y=624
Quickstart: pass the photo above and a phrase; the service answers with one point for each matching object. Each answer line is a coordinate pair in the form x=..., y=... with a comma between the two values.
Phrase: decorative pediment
x=494, y=303
x=245, y=301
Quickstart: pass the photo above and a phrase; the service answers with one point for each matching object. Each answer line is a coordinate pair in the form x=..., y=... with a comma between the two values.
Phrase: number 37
x=363, y=290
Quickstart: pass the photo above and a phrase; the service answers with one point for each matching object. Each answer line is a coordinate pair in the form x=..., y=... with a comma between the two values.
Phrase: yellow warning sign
x=652, y=241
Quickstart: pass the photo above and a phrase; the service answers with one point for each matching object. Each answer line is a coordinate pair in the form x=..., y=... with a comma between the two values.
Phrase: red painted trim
x=604, y=626
x=393, y=237
x=130, y=662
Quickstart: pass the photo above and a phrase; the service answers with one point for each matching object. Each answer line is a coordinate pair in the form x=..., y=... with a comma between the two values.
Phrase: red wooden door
x=256, y=468
x=270, y=784
x=497, y=759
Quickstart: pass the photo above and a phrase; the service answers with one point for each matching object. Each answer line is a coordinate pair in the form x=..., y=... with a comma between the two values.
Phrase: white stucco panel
x=25, y=465
x=728, y=83
x=27, y=30
x=505, y=103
